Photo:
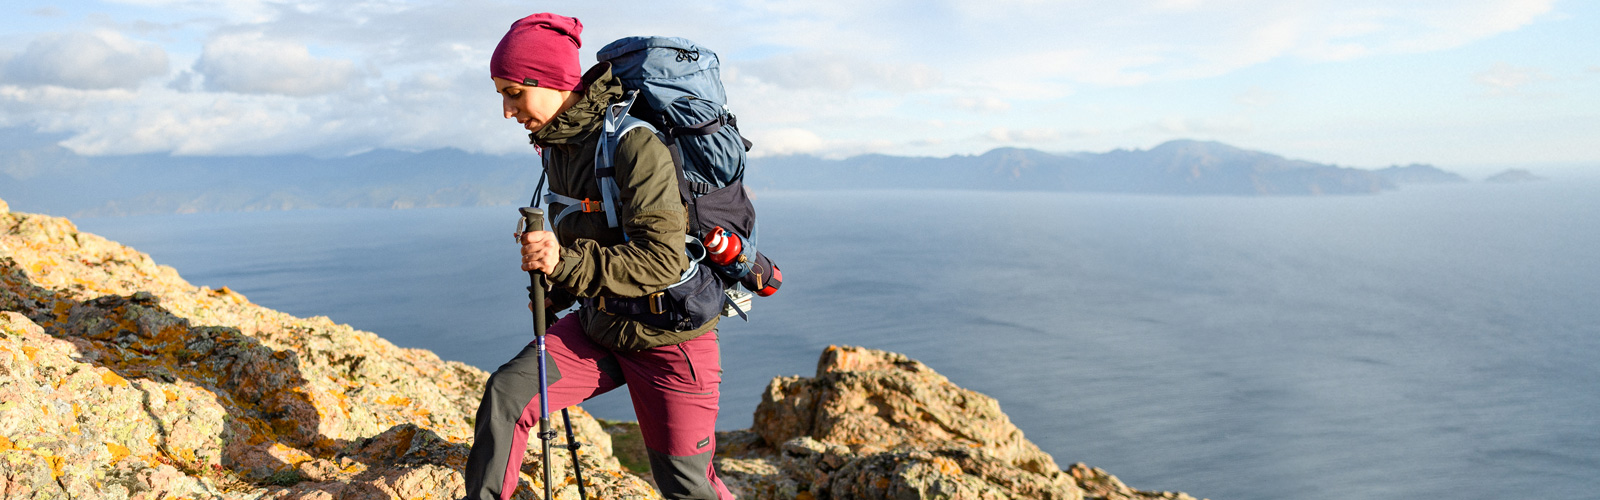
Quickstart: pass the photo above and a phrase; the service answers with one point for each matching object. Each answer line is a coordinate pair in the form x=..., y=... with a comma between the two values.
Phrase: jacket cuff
x=568, y=261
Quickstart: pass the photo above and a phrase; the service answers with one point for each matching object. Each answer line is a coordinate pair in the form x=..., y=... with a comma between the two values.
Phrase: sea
x=1431, y=342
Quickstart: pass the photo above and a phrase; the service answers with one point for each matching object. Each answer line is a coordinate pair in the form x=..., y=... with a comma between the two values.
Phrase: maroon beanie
x=540, y=50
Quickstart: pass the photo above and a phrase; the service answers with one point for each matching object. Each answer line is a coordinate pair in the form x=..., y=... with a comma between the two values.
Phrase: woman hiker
x=672, y=376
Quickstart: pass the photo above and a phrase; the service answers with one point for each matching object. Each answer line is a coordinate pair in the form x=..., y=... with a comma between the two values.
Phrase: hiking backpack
x=673, y=88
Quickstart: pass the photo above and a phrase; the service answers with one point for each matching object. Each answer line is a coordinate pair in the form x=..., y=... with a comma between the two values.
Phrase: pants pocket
x=702, y=361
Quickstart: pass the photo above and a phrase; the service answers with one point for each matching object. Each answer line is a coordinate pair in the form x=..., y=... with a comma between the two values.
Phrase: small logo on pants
x=703, y=443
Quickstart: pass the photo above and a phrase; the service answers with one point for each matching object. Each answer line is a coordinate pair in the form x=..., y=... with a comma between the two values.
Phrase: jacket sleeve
x=653, y=218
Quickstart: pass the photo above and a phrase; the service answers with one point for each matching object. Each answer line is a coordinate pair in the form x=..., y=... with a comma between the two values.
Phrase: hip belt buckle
x=657, y=302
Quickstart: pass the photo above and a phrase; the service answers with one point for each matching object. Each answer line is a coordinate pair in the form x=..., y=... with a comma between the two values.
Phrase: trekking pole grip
x=533, y=220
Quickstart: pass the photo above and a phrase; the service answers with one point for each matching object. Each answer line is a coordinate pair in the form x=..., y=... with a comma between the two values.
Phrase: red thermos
x=722, y=246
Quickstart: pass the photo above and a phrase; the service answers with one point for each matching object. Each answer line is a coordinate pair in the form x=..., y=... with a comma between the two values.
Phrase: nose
x=505, y=106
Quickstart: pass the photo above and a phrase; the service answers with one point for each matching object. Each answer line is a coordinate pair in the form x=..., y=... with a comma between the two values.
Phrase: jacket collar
x=578, y=123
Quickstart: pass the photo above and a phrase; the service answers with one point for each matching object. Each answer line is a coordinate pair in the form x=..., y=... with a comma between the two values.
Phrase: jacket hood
x=577, y=123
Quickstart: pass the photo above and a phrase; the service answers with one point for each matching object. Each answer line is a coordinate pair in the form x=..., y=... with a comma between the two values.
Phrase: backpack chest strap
x=573, y=205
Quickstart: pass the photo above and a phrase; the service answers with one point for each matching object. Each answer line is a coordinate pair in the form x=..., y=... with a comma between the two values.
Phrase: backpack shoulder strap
x=617, y=123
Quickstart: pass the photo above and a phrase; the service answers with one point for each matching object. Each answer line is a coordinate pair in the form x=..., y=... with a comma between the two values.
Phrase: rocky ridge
x=120, y=380
x=876, y=424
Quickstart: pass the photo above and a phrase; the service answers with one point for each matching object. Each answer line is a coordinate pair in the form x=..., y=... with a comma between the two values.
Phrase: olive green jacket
x=596, y=260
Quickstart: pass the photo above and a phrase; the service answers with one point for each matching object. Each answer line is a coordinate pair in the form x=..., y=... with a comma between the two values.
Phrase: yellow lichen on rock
x=118, y=452
x=112, y=379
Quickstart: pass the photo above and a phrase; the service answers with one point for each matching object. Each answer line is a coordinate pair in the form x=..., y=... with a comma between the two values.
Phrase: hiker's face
x=533, y=107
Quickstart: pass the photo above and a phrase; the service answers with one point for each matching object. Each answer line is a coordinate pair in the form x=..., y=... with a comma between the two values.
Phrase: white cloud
x=250, y=63
x=1504, y=79
x=414, y=114
x=787, y=141
x=99, y=60
x=839, y=72
x=1256, y=97
x=983, y=104
x=1179, y=126
x=1135, y=42
x=1005, y=135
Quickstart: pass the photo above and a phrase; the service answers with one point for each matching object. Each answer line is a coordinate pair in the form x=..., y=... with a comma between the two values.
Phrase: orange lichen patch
x=396, y=401
x=229, y=295
x=172, y=333
x=56, y=463
x=171, y=395
x=288, y=455
x=259, y=430
x=6, y=444
x=112, y=379
x=354, y=468
x=947, y=466
x=60, y=309
x=118, y=452
x=30, y=351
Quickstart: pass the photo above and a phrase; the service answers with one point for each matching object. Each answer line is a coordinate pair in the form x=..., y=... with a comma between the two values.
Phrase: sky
x=1365, y=83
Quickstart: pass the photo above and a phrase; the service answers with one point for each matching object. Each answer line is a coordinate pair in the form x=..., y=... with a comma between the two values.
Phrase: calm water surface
x=1428, y=342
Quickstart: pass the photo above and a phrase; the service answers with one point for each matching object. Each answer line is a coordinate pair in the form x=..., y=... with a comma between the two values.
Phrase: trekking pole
x=572, y=447
x=533, y=220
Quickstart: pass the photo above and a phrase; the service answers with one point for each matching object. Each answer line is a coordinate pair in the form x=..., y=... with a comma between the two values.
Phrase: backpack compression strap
x=617, y=123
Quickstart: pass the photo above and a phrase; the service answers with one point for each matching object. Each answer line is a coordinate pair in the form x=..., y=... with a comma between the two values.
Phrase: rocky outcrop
x=119, y=380
x=875, y=424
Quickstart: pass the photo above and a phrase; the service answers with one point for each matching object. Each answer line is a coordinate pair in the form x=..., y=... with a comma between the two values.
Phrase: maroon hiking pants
x=674, y=389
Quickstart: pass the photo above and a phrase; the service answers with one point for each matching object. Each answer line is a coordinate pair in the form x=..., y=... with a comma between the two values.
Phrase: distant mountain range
x=1181, y=167
x=51, y=179
x=1512, y=176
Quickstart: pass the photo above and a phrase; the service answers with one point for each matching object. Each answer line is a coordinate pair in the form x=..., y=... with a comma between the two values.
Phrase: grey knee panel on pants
x=683, y=477
x=509, y=390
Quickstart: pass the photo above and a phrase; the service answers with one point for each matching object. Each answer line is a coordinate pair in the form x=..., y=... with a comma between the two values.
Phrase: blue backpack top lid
x=681, y=93
x=665, y=68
